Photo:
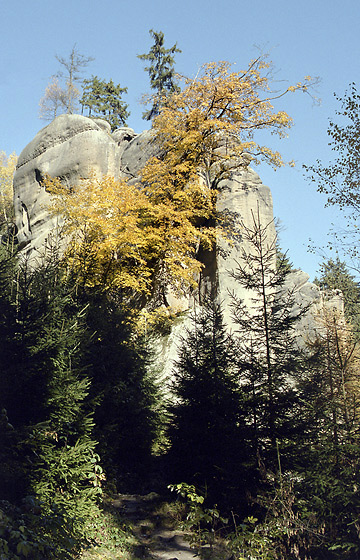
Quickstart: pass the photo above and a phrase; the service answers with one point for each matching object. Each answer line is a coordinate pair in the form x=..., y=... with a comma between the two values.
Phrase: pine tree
x=44, y=394
x=208, y=446
x=123, y=392
x=103, y=99
x=161, y=72
x=269, y=355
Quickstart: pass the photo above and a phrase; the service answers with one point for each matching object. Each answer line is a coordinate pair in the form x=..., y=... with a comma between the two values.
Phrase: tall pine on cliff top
x=161, y=72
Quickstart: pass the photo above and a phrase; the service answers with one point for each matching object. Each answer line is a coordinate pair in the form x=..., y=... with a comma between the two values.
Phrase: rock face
x=243, y=197
x=72, y=147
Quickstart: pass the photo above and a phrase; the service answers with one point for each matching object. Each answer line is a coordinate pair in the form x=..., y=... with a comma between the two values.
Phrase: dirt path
x=157, y=539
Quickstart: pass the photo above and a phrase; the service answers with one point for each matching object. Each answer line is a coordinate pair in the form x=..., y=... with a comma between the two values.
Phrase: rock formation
x=72, y=146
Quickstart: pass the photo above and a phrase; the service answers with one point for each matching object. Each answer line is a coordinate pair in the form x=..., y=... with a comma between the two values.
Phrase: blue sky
x=303, y=37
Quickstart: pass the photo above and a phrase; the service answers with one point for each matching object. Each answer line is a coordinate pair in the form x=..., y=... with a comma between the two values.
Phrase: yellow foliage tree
x=212, y=123
x=121, y=237
x=145, y=238
x=7, y=170
x=205, y=131
x=339, y=348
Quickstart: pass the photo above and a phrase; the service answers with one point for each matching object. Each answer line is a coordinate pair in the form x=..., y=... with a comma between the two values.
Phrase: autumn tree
x=73, y=66
x=211, y=124
x=129, y=239
x=203, y=133
x=7, y=170
x=103, y=99
x=53, y=103
x=161, y=73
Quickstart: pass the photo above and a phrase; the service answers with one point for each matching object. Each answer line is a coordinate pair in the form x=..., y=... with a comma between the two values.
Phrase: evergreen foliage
x=104, y=100
x=335, y=275
x=123, y=392
x=269, y=357
x=327, y=474
x=255, y=423
x=161, y=73
x=207, y=431
x=44, y=393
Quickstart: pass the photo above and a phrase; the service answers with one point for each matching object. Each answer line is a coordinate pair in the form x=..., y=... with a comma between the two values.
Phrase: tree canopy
x=161, y=73
x=103, y=99
x=62, y=96
x=7, y=170
x=339, y=180
x=145, y=237
x=215, y=118
x=73, y=65
x=127, y=238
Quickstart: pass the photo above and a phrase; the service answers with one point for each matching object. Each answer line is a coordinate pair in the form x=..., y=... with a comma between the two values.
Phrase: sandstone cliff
x=72, y=146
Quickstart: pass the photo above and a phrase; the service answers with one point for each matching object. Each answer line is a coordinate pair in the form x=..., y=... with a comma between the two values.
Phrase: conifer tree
x=269, y=356
x=44, y=394
x=123, y=391
x=335, y=275
x=330, y=446
x=208, y=445
x=103, y=99
x=161, y=72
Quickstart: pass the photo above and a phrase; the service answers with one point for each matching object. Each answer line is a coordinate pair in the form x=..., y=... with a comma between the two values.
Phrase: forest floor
x=156, y=534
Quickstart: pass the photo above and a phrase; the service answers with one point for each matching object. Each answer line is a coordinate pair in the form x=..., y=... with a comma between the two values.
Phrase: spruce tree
x=208, y=444
x=122, y=390
x=161, y=72
x=269, y=354
x=14, y=484
x=44, y=396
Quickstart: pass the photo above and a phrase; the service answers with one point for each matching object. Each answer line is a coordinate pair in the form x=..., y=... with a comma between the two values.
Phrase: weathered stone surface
x=308, y=295
x=243, y=198
x=72, y=147
x=137, y=152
